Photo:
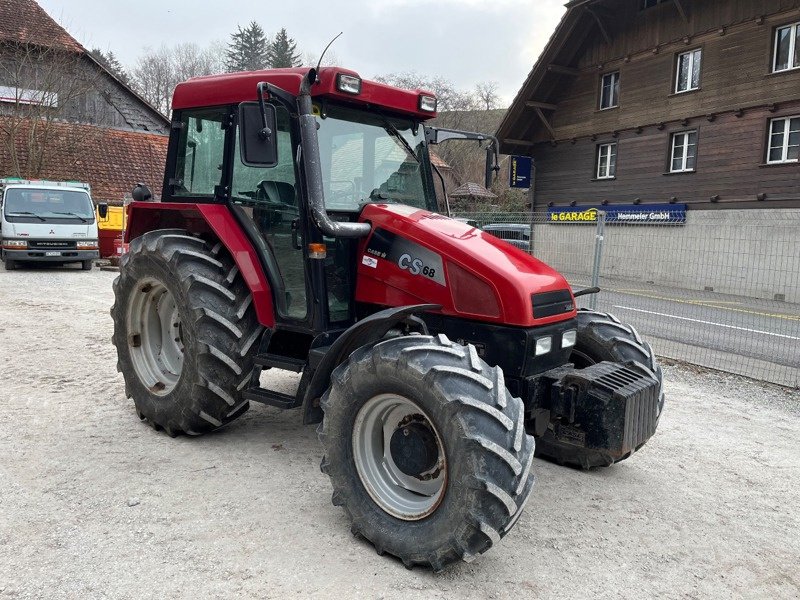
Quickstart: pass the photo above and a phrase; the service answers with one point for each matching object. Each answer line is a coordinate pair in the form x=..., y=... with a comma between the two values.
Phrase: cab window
x=201, y=148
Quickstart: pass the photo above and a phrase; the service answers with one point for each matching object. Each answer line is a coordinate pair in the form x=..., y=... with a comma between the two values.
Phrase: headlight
x=569, y=338
x=427, y=103
x=544, y=345
x=15, y=244
x=86, y=245
x=348, y=84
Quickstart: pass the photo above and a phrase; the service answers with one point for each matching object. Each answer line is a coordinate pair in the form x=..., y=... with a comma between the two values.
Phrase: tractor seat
x=278, y=192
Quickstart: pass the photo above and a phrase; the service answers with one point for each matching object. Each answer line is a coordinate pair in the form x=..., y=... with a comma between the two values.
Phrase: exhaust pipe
x=309, y=146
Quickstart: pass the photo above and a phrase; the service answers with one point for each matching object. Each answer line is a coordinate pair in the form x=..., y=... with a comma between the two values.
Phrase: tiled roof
x=110, y=160
x=471, y=190
x=26, y=22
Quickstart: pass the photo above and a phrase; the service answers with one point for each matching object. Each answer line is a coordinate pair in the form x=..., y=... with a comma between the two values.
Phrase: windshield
x=33, y=205
x=368, y=157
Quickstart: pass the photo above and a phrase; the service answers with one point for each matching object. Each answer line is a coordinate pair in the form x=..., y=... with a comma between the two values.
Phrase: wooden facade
x=556, y=117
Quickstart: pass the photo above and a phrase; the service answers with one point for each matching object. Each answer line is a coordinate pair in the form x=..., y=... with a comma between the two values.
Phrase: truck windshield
x=52, y=206
x=369, y=157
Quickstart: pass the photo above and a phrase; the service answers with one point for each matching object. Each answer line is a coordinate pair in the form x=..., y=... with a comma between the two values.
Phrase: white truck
x=47, y=221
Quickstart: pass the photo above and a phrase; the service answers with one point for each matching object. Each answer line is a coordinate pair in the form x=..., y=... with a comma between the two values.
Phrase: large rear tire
x=601, y=337
x=426, y=450
x=185, y=332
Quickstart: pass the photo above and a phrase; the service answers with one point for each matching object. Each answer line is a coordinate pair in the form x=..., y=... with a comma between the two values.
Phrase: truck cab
x=47, y=221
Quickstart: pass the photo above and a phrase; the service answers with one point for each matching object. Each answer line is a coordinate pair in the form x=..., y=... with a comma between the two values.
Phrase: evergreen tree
x=247, y=50
x=110, y=62
x=283, y=51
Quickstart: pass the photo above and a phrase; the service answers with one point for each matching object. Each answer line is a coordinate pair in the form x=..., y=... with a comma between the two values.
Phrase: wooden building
x=63, y=115
x=658, y=101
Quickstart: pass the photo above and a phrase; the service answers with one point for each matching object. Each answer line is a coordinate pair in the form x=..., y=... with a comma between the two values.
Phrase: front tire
x=87, y=265
x=185, y=331
x=444, y=470
x=9, y=264
x=601, y=337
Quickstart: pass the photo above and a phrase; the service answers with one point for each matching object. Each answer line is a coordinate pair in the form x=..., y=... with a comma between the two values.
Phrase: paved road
x=749, y=330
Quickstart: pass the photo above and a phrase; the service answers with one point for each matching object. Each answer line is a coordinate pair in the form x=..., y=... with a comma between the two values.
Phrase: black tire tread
x=219, y=313
x=492, y=426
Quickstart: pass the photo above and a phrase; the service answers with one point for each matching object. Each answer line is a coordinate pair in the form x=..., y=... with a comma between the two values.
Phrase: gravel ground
x=94, y=503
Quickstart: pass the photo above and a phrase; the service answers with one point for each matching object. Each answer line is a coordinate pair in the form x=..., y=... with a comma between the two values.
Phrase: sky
x=464, y=41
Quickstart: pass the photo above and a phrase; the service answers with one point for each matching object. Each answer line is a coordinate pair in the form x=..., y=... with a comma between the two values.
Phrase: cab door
x=270, y=197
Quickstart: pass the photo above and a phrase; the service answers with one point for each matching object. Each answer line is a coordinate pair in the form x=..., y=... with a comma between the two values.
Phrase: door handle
x=296, y=241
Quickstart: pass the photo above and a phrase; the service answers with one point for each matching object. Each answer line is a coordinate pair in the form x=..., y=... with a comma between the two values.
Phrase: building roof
x=471, y=190
x=112, y=161
x=26, y=22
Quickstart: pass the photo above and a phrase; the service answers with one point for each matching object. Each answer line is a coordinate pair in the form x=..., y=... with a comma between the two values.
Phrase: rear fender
x=363, y=333
x=215, y=219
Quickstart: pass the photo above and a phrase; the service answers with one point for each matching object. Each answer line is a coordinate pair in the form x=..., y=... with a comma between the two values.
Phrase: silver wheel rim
x=407, y=497
x=155, y=336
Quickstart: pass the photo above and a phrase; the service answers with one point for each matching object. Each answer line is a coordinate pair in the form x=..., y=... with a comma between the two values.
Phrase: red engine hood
x=414, y=256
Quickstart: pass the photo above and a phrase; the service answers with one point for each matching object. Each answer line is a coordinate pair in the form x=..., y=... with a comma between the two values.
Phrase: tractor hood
x=414, y=256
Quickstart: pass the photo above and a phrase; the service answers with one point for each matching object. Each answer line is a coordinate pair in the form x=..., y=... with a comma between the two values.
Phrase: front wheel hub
x=399, y=457
x=413, y=448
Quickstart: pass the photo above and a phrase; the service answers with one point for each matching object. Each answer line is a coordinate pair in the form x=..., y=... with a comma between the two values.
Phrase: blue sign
x=636, y=214
x=519, y=173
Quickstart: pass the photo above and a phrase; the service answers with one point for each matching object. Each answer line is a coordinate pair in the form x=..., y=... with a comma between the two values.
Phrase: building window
x=609, y=91
x=688, y=71
x=787, y=48
x=606, y=161
x=784, y=140
x=684, y=152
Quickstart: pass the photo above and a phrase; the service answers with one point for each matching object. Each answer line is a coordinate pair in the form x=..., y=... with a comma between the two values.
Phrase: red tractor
x=298, y=231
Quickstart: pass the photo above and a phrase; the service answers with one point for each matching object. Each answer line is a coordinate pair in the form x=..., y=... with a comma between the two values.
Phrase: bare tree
x=448, y=97
x=486, y=93
x=158, y=71
x=44, y=86
x=310, y=59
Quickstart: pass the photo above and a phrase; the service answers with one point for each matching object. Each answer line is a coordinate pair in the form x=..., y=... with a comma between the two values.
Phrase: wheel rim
x=155, y=337
x=399, y=457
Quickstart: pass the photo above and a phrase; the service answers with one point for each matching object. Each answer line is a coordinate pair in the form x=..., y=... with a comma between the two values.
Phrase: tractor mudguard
x=216, y=219
x=362, y=333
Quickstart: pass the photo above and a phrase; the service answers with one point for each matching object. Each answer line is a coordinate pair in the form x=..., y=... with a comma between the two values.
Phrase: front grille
x=52, y=244
x=547, y=304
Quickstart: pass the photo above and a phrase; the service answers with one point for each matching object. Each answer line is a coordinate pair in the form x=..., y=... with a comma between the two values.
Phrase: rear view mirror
x=258, y=138
x=102, y=210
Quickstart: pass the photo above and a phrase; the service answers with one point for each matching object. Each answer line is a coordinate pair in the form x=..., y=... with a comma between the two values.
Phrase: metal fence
x=720, y=290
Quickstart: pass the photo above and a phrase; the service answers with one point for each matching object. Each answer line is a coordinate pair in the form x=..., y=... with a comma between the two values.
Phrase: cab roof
x=232, y=88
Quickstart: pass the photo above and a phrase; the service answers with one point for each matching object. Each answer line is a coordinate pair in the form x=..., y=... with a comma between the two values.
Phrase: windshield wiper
x=395, y=133
x=25, y=214
x=72, y=214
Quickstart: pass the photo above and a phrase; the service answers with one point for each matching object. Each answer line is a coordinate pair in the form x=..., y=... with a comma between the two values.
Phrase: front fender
x=364, y=332
x=216, y=219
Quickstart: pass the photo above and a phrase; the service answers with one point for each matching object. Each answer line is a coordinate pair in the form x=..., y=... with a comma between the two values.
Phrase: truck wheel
x=601, y=337
x=9, y=264
x=426, y=450
x=185, y=332
x=87, y=265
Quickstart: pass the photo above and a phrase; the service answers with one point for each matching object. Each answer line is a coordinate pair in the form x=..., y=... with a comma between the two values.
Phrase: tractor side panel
x=208, y=218
x=413, y=256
